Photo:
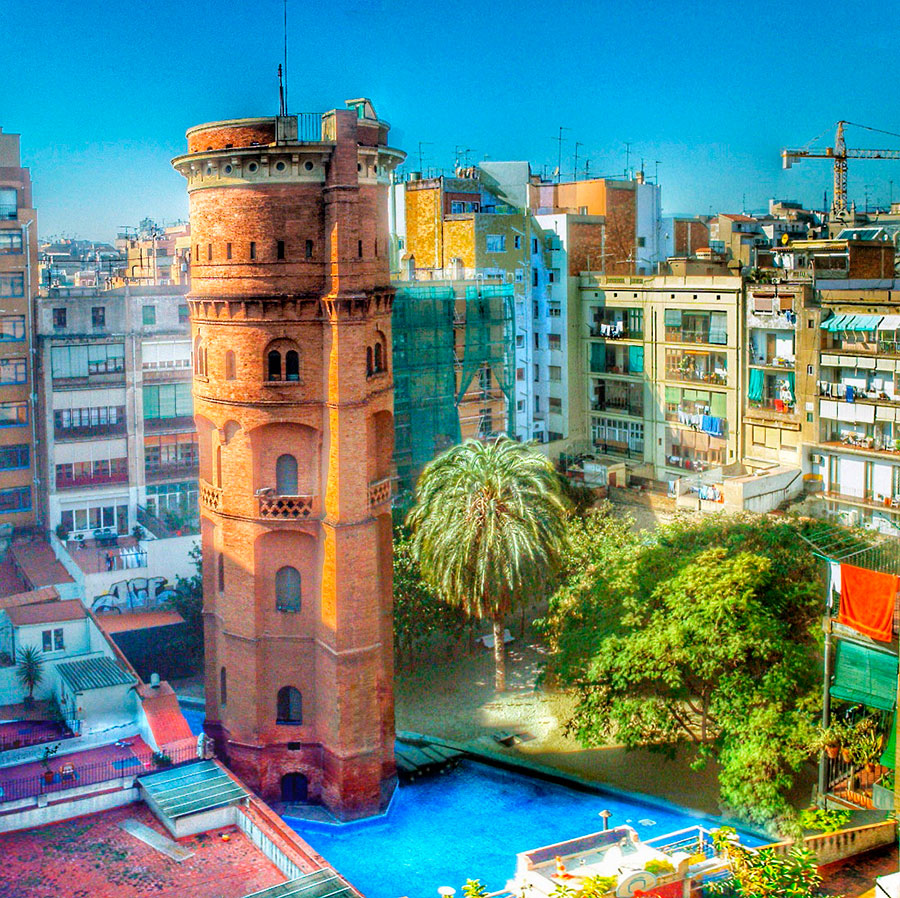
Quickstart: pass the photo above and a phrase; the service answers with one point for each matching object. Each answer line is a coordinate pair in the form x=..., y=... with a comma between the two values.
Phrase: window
x=229, y=365
x=290, y=705
x=13, y=414
x=170, y=452
x=12, y=285
x=537, y=403
x=292, y=365
x=279, y=249
x=554, y=341
x=183, y=314
x=12, y=371
x=12, y=327
x=47, y=640
x=495, y=243
x=457, y=207
x=555, y=373
x=535, y=309
x=223, y=687
x=209, y=252
x=517, y=241
x=534, y=277
x=109, y=418
x=98, y=316
x=359, y=248
x=12, y=457
x=485, y=422
x=86, y=359
x=220, y=571
x=10, y=242
x=642, y=241
x=309, y=249
x=520, y=374
x=534, y=245
x=274, y=365
x=149, y=314
x=537, y=340
x=252, y=249
x=537, y=373
x=287, y=589
x=370, y=363
x=58, y=642
x=553, y=310
x=59, y=317
x=167, y=401
x=9, y=203
x=227, y=255
x=17, y=499
x=286, y=475
x=555, y=404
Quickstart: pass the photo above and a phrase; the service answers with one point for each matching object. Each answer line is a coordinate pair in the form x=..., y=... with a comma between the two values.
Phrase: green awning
x=866, y=322
x=890, y=750
x=836, y=322
x=866, y=675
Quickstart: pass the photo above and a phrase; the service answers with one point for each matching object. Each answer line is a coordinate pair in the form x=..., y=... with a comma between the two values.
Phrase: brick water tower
x=290, y=308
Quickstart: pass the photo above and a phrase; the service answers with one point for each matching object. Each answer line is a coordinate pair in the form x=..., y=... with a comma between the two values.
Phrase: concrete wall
x=764, y=492
x=77, y=802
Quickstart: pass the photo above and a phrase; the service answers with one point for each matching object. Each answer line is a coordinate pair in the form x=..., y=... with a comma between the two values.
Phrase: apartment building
x=154, y=255
x=121, y=446
x=661, y=367
x=19, y=489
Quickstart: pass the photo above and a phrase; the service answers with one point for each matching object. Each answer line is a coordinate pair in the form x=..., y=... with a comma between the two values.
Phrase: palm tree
x=489, y=530
x=30, y=670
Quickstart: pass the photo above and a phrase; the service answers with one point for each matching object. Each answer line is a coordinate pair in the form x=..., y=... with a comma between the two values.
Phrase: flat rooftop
x=95, y=856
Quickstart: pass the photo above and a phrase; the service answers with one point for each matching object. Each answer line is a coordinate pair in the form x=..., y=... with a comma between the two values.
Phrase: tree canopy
x=704, y=634
x=488, y=530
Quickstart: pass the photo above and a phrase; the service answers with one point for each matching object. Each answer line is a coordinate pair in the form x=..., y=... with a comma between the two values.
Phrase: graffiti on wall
x=137, y=594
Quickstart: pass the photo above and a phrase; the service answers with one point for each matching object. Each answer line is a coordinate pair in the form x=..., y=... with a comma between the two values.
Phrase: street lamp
x=605, y=815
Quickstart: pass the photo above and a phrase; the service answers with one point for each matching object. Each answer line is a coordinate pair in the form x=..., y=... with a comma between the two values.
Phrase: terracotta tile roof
x=33, y=597
x=138, y=620
x=164, y=715
x=46, y=613
x=38, y=565
x=740, y=217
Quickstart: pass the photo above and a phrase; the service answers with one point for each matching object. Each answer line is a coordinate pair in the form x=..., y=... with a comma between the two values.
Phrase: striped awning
x=864, y=323
x=890, y=323
x=866, y=675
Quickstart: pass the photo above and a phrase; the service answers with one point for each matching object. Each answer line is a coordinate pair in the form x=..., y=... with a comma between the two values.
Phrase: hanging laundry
x=835, y=584
x=867, y=601
x=849, y=393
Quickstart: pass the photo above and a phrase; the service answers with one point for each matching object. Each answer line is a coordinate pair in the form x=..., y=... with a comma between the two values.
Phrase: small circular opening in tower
x=279, y=166
x=228, y=169
x=308, y=166
x=252, y=166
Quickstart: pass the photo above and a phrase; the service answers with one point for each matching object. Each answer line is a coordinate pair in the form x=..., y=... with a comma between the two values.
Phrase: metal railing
x=61, y=774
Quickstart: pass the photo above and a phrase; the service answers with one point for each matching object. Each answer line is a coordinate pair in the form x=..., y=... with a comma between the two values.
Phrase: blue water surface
x=471, y=823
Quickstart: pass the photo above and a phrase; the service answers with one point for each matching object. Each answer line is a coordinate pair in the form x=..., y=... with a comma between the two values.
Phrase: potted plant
x=138, y=532
x=30, y=671
x=49, y=752
x=62, y=532
x=597, y=886
x=829, y=739
x=659, y=867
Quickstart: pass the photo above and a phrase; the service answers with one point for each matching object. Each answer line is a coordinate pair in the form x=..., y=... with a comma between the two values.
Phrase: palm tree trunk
x=499, y=655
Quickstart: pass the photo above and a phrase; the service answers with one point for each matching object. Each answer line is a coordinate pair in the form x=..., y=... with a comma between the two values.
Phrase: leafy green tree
x=489, y=530
x=30, y=669
x=419, y=614
x=187, y=600
x=474, y=889
x=764, y=874
x=704, y=635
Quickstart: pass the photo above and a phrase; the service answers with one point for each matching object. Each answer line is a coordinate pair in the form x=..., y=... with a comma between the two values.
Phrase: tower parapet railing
x=210, y=496
x=290, y=508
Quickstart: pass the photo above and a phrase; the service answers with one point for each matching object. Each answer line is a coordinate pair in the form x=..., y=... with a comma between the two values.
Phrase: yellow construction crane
x=839, y=153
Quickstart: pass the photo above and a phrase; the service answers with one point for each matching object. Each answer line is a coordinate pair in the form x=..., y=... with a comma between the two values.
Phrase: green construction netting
x=889, y=755
x=866, y=675
x=443, y=338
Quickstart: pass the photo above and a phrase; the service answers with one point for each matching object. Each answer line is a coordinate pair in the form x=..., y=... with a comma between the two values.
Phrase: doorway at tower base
x=349, y=788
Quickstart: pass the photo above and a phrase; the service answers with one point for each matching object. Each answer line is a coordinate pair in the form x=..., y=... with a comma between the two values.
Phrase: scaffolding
x=444, y=337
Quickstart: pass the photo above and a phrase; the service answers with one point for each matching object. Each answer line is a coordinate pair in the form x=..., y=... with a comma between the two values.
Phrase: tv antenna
x=559, y=141
x=282, y=81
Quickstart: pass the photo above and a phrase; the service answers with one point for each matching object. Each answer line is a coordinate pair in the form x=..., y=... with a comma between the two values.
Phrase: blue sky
x=102, y=92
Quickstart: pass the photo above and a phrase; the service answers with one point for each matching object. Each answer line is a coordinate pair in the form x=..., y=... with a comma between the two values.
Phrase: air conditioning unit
x=817, y=459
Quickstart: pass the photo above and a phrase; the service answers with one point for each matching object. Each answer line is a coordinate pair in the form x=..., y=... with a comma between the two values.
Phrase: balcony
x=379, y=492
x=180, y=470
x=771, y=404
x=612, y=332
x=636, y=410
x=210, y=496
x=285, y=508
x=169, y=425
x=700, y=377
x=92, y=432
x=70, y=483
x=783, y=362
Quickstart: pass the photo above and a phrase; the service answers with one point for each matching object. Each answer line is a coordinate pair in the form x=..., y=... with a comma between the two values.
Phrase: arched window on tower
x=379, y=361
x=198, y=355
x=292, y=365
x=223, y=687
x=287, y=589
x=286, y=475
x=370, y=365
x=229, y=365
x=219, y=466
x=290, y=706
x=274, y=372
x=220, y=570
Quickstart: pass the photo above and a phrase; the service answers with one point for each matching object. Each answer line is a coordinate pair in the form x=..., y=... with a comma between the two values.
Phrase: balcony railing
x=379, y=492
x=67, y=483
x=154, y=474
x=697, y=376
x=285, y=508
x=210, y=496
x=161, y=425
x=625, y=408
x=611, y=332
x=95, y=432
